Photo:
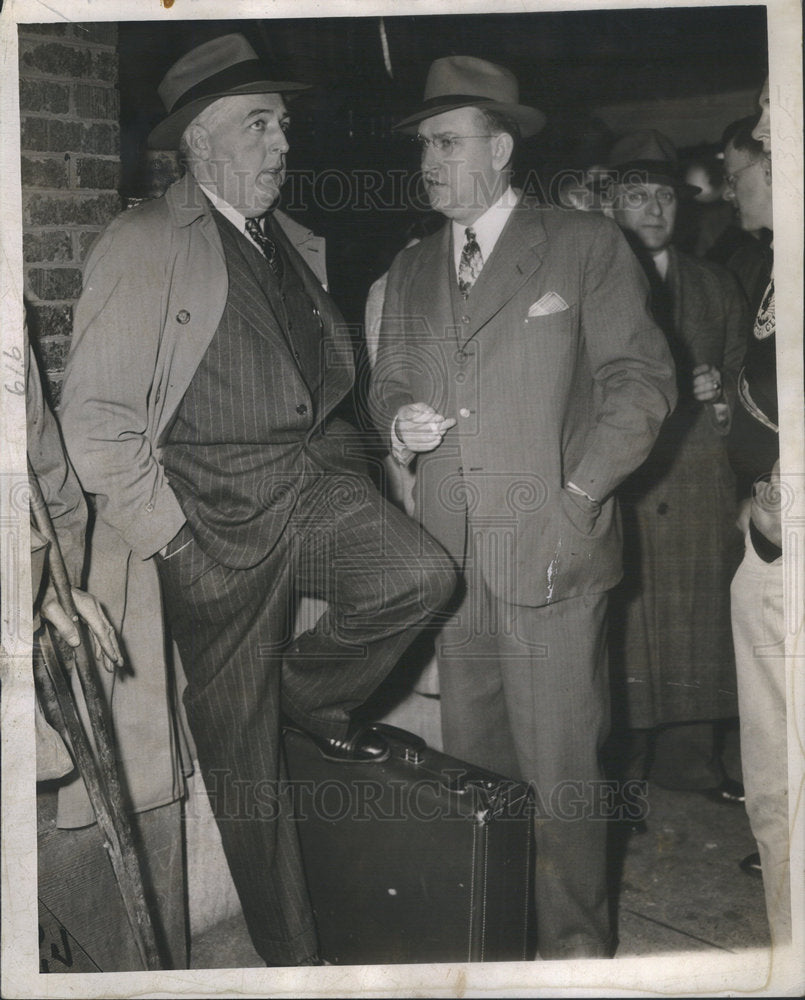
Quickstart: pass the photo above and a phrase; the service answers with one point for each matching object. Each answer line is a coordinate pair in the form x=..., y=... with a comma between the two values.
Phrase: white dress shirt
x=230, y=213
x=487, y=228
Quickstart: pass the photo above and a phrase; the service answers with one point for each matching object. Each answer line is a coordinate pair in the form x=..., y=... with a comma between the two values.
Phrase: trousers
x=384, y=579
x=758, y=630
x=525, y=693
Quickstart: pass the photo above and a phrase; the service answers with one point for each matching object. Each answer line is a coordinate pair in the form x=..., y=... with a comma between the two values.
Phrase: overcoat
x=165, y=284
x=671, y=647
x=553, y=370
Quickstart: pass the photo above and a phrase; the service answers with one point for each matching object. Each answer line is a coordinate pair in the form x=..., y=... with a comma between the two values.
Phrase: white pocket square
x=549, y=303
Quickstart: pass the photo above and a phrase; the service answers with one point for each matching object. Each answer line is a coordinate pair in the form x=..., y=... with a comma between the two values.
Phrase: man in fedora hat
x=198, y=406
x=519, y=366
x=672, y=659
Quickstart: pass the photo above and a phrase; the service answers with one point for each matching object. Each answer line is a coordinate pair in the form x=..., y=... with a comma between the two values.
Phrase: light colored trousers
x=758, y=630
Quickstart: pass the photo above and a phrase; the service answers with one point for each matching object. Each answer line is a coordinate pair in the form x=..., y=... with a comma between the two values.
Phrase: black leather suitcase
x=411, y=855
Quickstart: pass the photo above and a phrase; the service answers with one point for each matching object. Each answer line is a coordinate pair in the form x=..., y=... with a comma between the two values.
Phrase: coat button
x=463, y=412
x=461, y=357
x=183, y=316
x=662, y=508
x=149, y=507
x=460, y=377
x=301, y=409
x=465, y=319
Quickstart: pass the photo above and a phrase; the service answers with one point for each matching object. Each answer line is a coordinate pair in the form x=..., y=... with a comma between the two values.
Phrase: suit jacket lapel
x=430, y=287
x=516, y=256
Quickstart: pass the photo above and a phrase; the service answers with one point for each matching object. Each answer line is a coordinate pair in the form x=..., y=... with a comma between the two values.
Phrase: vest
x=234, y=453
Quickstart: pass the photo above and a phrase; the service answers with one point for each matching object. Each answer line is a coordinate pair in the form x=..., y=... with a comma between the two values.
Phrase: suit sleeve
x=389, y=388
x=107, y=384
x=631, y=365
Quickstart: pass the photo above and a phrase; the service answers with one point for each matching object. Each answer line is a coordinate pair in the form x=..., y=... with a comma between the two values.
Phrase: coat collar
x=186, y=201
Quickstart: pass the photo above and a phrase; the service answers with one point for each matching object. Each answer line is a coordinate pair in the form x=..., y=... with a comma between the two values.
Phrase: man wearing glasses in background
x=518, y=364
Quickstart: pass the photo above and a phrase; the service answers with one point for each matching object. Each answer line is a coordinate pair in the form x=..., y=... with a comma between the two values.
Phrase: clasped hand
x=707, y=387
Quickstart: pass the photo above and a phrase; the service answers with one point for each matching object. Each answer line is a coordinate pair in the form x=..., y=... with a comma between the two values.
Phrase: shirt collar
x=487, y=228
x=228, y=212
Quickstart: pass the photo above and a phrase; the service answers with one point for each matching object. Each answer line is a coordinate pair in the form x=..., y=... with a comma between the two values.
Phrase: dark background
x=567, y=63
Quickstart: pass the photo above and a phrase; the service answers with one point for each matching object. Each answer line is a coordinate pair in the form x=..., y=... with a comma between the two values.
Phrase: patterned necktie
x=469, y=267
x=266, y=244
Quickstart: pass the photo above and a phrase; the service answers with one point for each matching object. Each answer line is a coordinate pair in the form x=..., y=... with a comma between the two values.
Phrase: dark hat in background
x=223, y=67
x=464, y=81
x=648, y=157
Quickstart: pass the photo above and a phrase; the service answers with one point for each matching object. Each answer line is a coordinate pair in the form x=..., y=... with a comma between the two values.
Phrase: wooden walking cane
x=97, y=769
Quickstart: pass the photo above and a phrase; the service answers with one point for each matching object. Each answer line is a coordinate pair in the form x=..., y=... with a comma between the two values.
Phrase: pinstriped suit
x=248, y=456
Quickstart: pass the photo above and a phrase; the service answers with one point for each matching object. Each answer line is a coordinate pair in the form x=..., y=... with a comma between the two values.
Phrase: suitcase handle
x=395, y=733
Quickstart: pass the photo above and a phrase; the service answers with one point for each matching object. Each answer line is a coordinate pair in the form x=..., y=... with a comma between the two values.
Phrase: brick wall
x=70, y=147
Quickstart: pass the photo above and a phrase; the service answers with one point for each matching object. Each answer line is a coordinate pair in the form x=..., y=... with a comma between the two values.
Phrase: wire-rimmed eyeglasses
x=733, y=177
x=443, y=144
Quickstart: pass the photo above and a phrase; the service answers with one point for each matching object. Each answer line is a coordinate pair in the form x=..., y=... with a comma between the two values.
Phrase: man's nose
x=278, y=141
x=428, y=160
x=654, y=206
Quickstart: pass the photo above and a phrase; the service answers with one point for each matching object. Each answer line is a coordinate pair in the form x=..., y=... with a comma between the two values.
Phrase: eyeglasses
x=443, y=144
x=733, y=177
x=636, y=197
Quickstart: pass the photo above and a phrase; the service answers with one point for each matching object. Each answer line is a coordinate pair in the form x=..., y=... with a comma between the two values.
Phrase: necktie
x=469, y=267
x=266, y=244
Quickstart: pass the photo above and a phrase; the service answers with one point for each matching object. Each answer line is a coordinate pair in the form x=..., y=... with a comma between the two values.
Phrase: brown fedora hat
x=648, y=157
x=223, y=67
x=464, y=82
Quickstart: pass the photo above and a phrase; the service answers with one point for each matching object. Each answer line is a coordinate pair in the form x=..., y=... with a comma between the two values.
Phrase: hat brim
x=644, y=171
x=168, y=132
x=529, y=120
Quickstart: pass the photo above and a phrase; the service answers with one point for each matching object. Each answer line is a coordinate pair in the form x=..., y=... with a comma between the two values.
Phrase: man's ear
x=198, y=141
x=502, y=149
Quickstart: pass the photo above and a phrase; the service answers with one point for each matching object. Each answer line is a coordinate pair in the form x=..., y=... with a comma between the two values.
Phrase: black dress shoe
x=751, y=864
x=729, y=792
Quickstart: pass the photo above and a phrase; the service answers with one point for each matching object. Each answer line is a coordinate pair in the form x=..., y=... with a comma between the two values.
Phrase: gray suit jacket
x=540, y=397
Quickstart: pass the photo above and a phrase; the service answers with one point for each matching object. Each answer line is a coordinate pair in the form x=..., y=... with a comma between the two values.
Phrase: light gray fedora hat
x=222, y=67
x=464, y=81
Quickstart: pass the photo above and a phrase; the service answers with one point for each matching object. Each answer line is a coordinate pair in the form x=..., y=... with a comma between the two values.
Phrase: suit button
x=149, y=507
x=301, y=409
x=662, y=508
x=465, y=319
x=463, y=412
x=461, y=357
x=460, y=377
x=183, y=316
